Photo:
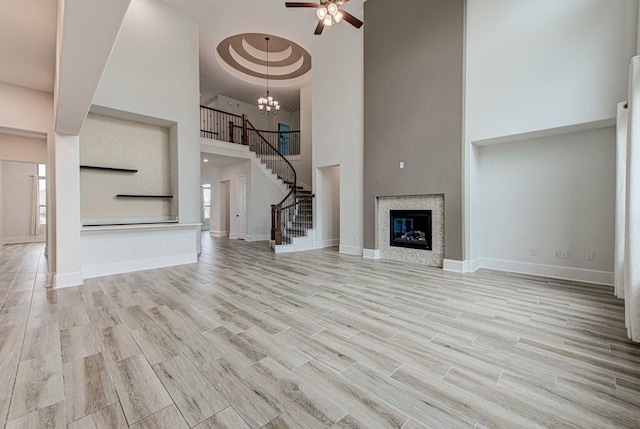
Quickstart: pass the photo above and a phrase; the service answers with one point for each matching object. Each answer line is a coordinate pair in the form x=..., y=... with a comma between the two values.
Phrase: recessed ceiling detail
x=245, y=56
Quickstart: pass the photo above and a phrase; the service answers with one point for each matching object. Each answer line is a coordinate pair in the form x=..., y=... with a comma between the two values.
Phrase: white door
x=241, y=206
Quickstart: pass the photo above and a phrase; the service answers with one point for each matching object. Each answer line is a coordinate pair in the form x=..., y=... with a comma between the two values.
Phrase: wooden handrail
x=301, y=200
x=220, y=111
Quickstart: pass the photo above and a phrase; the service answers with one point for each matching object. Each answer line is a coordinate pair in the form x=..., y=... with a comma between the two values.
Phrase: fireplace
x=410, y=228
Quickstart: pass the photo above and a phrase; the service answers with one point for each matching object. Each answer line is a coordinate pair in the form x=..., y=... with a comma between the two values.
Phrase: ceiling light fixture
x=267, y=104
x=329, y=14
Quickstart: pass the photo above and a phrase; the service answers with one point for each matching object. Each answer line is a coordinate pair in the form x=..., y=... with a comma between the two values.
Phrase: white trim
x=24, y=239
x=328, y=243
x=235, y=236
x=219, y=233
x=453, y=266
x=92, y=271
x=371, y=253
x=64, y=280
x=472, y=266
x=563, y=273
x=350, y=250
x=258, y=237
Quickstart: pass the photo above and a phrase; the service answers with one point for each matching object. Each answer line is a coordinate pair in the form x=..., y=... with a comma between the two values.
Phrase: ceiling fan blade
x=351, y=19
x=302, y=4
x=319, y=28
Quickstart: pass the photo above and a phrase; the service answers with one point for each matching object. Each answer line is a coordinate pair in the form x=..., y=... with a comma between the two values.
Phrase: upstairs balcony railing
x=229, y=127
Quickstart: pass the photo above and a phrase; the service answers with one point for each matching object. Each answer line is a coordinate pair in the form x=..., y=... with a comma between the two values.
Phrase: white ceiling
x=28, y=43
x=28, y=40
x=219, y=19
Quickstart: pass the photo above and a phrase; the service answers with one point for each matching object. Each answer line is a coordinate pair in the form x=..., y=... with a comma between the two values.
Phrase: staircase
x=291, y=218
x=297, y=230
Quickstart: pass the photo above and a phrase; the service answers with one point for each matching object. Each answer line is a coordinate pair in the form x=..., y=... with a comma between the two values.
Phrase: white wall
x=303, y=164
x=532, y=67
x=338, y=134
x=539, y=64
x=261, y=122
x=264, y=193
x=23, y=148
x=552, y=193
x=153, y=71
x=17, y=188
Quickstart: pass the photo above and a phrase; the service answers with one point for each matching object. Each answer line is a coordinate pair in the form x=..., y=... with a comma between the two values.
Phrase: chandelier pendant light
x=268, y=104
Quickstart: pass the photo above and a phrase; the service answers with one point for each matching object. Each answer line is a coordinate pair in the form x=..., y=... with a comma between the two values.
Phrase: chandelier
x=267, y=104
x=330, y=14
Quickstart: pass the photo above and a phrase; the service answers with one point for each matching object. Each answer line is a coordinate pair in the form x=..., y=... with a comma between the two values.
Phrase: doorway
x=240, y=205
x=329, y=205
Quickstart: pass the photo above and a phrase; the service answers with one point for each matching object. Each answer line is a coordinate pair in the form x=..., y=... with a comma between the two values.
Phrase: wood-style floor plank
x=110, y=417
x=194, y=396
x=225, y=419
x=140, y=391
x=87, y=385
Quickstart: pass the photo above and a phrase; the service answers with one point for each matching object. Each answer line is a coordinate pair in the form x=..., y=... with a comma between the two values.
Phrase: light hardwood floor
x=248, y=339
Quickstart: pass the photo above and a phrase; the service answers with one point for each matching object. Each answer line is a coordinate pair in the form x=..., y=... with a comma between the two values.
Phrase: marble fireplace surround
x=435, y=203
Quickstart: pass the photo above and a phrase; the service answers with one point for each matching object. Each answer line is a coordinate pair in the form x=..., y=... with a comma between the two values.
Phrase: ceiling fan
x=328, y=12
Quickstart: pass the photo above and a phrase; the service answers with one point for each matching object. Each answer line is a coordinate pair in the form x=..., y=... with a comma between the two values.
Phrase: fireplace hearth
x=410, y=228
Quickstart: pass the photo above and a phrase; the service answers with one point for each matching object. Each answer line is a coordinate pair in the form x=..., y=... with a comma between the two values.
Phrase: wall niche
x=125, y=172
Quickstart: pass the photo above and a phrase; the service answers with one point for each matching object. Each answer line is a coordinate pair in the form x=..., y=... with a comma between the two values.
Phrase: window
x=42, y=194
x=206, y=201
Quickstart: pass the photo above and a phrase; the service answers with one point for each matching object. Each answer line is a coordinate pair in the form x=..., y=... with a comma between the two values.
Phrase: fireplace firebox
x=410, y=228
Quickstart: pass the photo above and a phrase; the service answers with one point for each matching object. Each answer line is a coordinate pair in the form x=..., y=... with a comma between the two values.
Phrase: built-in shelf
x=142, y=196
x=95, y=167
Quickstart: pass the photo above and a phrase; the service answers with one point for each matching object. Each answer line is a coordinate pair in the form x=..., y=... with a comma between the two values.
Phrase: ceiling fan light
x=328, y=20
x=338, y=17
x=332, y=8
x=321, y=12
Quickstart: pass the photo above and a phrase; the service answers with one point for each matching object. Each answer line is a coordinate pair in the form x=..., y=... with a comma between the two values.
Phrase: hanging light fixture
x=329, y=14
x=267, y=104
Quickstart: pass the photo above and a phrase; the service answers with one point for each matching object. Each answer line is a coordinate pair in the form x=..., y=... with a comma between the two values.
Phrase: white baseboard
x=218, y=233
x=92, y=271
x=350, y=250
x=557, y=272
x=64, y=280
x=371, y=253
x=453, y=266
x=263, y=237
x=327, y=243
x=25, y=239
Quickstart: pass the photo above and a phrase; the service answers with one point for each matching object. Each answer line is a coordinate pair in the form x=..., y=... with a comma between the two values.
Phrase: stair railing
x=291, y=217
x=292, y=220
x=219, y=125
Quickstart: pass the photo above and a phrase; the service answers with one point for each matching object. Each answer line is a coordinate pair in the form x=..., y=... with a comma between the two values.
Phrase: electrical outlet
x=564, y=254
x=532, y=251
x=556, y=254
x=591, y=256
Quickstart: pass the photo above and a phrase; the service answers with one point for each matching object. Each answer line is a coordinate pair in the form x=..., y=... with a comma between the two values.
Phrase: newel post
x=231, y=132
x=245, y=129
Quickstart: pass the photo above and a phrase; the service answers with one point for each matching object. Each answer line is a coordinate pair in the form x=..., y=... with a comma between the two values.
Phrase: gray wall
x=413, y=111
